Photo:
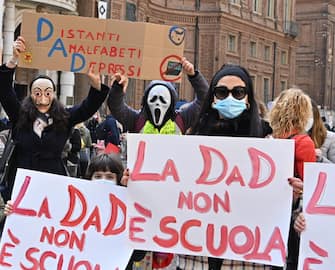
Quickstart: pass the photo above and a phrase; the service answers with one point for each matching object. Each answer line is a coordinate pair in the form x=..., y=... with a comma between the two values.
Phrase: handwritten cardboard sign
x=317, y=249
x=213, y=196
x=72, y=43
x=65, y=223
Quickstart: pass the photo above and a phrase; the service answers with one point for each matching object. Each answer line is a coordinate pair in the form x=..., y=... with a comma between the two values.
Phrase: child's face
x=105, y=175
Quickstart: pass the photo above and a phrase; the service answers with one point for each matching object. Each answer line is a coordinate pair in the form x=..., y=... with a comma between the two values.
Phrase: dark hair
x=209, y=116
x=29, y=112
x=106, y=162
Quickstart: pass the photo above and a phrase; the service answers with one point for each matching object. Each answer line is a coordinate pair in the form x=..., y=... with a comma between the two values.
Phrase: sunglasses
x=222, y=92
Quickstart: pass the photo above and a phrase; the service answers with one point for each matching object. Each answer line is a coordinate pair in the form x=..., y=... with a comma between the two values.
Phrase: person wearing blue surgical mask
x=229, y=109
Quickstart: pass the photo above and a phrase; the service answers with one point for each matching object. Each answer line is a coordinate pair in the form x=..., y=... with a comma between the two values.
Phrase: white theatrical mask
x=159, y=101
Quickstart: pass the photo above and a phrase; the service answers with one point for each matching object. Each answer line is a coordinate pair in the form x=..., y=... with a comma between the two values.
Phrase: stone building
x=315, y=53
x=258, y=34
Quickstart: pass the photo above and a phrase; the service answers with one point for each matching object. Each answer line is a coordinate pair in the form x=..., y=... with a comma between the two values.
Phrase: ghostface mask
x=159, y=101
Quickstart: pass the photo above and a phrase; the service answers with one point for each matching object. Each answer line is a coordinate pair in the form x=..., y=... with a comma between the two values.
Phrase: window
x=253, y=49
x=267, y=53
x=283, y=85
x=130, y=12
x=232, y=43
x=270, y=9
x=266, y=89
x=283, y=58
x=256, y=6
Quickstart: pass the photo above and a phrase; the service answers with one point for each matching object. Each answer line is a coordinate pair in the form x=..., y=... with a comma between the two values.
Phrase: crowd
x=80, y=143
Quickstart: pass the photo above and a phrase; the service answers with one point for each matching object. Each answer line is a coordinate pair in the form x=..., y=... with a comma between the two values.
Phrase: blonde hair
x=290, y=113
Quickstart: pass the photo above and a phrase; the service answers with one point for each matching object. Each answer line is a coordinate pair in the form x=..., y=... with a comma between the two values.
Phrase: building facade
x=315, y=53
x=257, y=34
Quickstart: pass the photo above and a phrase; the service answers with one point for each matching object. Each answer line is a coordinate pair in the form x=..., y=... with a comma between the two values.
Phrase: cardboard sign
x=72, y=43
x=65, y=223
x=212, y=196
x=317, y=250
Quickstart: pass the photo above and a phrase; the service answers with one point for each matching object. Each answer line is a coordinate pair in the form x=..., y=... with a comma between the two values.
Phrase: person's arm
x=90, y=105
x=200, y=87
x=297, y=186
x=123, y=113
x=8, y=98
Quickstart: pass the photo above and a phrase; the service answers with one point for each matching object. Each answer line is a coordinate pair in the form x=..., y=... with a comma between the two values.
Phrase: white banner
x=213, y=196
x=317, y=250
x=65, y=223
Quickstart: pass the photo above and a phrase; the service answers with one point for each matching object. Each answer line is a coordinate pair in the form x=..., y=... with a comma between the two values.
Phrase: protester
x=324, y=140
x=109, y=167
x=41, y=124
x=290, y=118
x=158, y=114
x=229, y=109
x=85, y=148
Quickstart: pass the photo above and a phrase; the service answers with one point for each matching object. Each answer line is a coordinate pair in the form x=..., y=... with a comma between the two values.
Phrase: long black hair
x=247, y=124
x=29, y=112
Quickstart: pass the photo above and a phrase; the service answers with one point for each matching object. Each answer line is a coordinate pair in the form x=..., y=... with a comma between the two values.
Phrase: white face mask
x=159, y=101
x=105, y=181
x=309, y=124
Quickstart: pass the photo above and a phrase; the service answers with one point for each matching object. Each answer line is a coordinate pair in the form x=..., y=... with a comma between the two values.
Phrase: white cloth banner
x=60, y=222
x=213, y=196
x=317, y=250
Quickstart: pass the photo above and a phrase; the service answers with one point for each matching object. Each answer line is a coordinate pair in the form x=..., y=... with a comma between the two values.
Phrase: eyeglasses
x=222, y=92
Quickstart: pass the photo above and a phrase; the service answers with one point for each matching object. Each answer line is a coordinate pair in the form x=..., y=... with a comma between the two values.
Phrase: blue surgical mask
x=230, y=107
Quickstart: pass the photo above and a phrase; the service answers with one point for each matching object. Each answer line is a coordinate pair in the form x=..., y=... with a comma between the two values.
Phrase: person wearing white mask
x=158, y=114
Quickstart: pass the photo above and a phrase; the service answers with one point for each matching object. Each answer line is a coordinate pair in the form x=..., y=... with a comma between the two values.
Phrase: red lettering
x=74, y=193
x=313, y=207
x=235, y=176
x=170, y=170
x=31, y=259
x=44, y=209
x=173, y=240
x=44, y=256
x=210, y=240
x=20, y=196
x=5, y=253
x=255, y=157
x=136, y=175
x=116, y=204
x=207, y=204
x=183, y=232
x=205, y=152
x=245, y=247
x=134, y=229
x=94, y=220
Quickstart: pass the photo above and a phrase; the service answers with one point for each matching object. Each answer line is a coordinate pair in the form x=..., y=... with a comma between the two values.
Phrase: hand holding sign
x=18, y=47
x=188, y=67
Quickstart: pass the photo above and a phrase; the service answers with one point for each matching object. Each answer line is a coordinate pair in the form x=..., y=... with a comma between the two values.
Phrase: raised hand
x=95, y=79
x=19, y=46
x=121, y=79
x=188, y=67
